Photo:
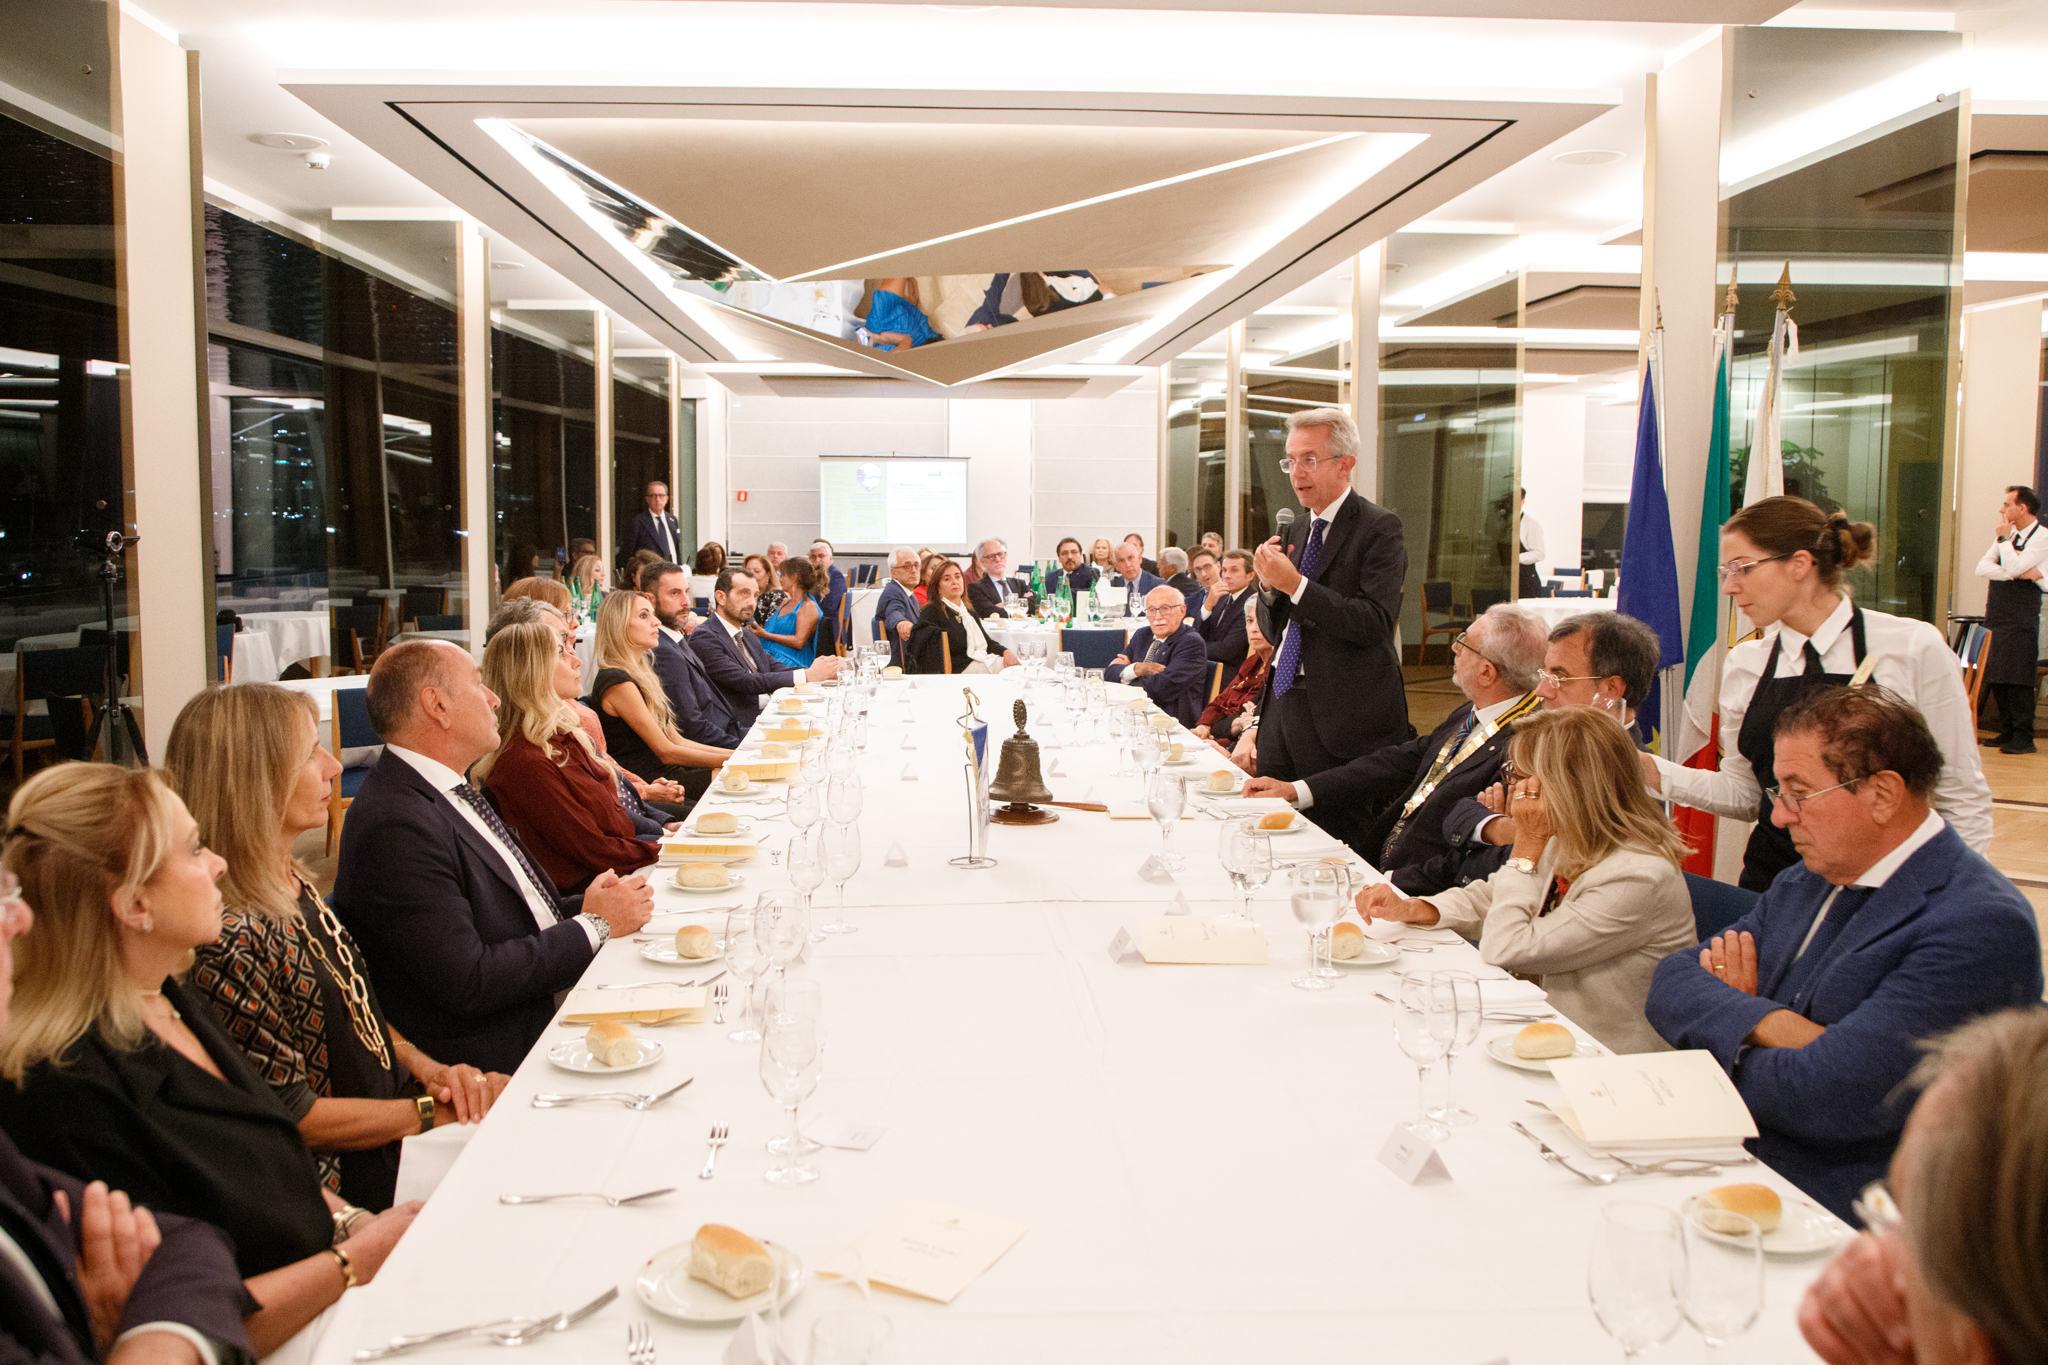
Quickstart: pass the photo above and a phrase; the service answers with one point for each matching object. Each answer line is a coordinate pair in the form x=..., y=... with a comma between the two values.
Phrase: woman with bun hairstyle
x=1783, y=561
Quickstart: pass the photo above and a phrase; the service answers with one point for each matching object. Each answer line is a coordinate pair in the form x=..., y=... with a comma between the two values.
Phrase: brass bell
x=1017, y=781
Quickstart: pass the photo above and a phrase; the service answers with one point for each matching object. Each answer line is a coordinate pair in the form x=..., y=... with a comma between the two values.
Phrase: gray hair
x=982, y=548
x=1343, y=431
x=1174, y=558
x=1514, y=643
x=521, y=611
x=901, y=553
x=1621, y=647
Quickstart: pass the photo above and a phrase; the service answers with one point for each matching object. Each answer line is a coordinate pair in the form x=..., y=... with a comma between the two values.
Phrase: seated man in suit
x=1173, y=567
x=1202, y=566
x=464, y=937
x=656, y=529
x=1889, y=930
x=1074, y=569
x=1218, y=609
x=702, y=711
x=995, y=593
x=1391, y=802
x=1173, y=666
x=1132, y=576
x=897, y=608
x=1213, y=543
x=1145, y=563
x=830, y=601
x=85, y=1277
x=735, y=661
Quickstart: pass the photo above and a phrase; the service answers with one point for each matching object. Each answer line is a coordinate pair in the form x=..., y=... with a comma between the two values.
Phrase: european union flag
x=1649, y=563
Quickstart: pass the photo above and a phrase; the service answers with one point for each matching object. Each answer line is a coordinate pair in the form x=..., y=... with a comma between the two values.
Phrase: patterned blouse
x=281, y=990
x=1238, y=693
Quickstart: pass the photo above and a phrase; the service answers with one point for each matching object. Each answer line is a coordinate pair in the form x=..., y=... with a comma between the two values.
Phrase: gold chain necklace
x=361, y=1017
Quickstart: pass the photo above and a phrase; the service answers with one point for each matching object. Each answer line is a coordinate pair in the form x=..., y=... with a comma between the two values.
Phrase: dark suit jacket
x=1181, y=690
x=826, y=641
x=1184, y=583
x=1223, y=632
x=1945, y=939
x=938, y=621
x=1083, y=578
x=1348, y=614
x=1377, y=785
x=451, y=946
x=744, y=689
x=177, y=1139
x=1147, y=580
x=982, y=599
x=895, y=606
x=702, y=711
x=647, y=536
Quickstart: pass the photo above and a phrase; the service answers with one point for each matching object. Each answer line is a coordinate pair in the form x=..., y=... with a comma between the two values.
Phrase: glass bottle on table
x=792, y=1059
x=842, y=860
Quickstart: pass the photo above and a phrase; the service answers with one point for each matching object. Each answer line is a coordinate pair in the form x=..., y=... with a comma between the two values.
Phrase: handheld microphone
x=1283, y=519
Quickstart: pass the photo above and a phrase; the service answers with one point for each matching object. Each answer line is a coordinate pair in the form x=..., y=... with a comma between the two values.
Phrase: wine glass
x=1166, y=799
x=812, y=771
x=1425, y=1017
x=1063, y=662
x=784, y=927
x=746, y=957
x=842, y=860
x=1316, y=894
x=1467, y=989
x=800, y=998
x=805, y=805
x=1724, y=1274
x=839, y=755
x=1247, y=855
x=792, y=1057
x=807, y=869
x=1634, y=1274
x=843, y=799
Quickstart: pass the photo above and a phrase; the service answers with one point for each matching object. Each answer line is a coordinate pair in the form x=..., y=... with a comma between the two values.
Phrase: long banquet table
x=1192, y=1148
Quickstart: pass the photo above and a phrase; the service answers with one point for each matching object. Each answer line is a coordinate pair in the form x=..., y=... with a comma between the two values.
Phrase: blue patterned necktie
x=1289, y=661
x=489, y=814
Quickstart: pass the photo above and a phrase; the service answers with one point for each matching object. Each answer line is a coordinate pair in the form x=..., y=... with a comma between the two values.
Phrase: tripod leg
x=135, y=736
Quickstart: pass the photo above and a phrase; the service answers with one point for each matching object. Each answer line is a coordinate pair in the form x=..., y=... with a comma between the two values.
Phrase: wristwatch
x=601, y=925
x=1522, y=864
x=425, y=1104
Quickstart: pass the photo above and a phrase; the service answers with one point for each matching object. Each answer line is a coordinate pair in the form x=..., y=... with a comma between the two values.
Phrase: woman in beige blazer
x=1593, y=894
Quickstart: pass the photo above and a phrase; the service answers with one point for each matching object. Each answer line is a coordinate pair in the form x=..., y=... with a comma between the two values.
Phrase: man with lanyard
x=2012, y=613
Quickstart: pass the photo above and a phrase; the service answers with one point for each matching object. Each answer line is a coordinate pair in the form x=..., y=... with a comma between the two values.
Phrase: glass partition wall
x=1192, y=496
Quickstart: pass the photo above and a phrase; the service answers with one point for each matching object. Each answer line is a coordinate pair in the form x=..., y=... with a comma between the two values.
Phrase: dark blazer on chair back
x=461, y=966
x=1348, y=615
x=745, y=689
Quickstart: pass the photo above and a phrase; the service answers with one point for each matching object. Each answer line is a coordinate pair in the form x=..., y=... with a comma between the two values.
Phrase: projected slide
x=876, y=502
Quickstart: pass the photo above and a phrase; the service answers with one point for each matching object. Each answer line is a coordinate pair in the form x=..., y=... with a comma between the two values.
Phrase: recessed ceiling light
x=289, y=142
x=508, y=265
x=1590, y=156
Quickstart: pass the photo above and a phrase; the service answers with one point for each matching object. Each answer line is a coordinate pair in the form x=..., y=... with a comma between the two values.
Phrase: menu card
x=683, y=844
x=639, y=1005
x=1209, y=940
x=933, y=1251
x=1651, y=1097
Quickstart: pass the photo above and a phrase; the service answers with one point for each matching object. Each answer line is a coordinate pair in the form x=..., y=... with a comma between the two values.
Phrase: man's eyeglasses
x=1735, y=570
x=1558, y=678
x=1796, y=802
x=1290, y=463
x=1462, y=643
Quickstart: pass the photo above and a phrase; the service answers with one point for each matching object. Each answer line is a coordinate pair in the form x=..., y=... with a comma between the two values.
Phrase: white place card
x=933, y=1251
x=844, y=1133
x=1124, y=948
x=910, y=772
x=1411, y=1156
x=1154, y=871
x=1204, y=940
x=896, y=857
x=909, y=741
x=1180, y=904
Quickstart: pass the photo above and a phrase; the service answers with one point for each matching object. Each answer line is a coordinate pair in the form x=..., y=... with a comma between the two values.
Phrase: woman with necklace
x=285, y=979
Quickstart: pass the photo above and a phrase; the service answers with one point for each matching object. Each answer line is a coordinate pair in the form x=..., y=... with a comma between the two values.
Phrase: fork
x=617, y=1203
x=630, y=1099
x=1557, y=1158
x=639, y=1343
x=719, y=995
x=719, y=1134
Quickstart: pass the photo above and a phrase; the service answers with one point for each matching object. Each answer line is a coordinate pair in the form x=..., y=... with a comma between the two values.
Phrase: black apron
x=1770, y=849
x=2012, y=613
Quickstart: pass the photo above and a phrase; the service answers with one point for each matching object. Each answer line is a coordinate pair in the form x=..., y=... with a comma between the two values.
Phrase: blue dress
x=891, y=312
x=788, y=655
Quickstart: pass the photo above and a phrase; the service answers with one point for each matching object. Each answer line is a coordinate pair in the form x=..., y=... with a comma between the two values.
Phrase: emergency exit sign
x=740, y=496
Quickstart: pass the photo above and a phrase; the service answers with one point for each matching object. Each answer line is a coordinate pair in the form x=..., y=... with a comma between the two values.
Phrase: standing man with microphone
x=1330, y=595
x=2012, y=613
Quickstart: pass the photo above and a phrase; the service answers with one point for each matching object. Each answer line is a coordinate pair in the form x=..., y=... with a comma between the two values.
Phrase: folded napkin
x=424, y=1159
x=1507, y=990
x=1255, y=805
x=1560, y=1133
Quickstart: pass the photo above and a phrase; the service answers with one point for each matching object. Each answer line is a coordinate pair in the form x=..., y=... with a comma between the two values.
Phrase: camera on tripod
x=103, y=542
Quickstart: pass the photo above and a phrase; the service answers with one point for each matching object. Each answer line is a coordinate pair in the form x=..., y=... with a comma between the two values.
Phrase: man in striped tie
x=1330, y=595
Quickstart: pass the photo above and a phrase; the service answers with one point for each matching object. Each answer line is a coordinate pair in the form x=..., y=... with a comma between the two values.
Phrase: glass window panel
x=639, y=455
x=546, y=438
x=1194, y=451
x=1270, y=395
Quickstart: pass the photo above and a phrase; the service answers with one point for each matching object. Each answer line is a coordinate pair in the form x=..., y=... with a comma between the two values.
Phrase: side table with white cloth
x=296, y=637
x=1556, y=609
x=1191, y=1149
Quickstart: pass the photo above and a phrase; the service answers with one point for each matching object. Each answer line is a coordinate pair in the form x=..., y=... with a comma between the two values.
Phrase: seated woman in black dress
x=115, y=1070
x=639, y=724
x=285, y=979
x=948, y=617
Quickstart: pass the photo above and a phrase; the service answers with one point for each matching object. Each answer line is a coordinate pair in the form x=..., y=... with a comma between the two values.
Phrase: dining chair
x=1976, y=649
x=224, y=649
x=55, y=677
x=1436, y=597
x=1215, y=680
x=349, y=728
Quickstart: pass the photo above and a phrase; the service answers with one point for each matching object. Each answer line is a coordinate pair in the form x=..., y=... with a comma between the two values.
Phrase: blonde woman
x=587, y=577
x=285, y=979
x=1593, y=894
x=639, y=724
x=549, y=784
x=115, y=1068
x=1102, y=555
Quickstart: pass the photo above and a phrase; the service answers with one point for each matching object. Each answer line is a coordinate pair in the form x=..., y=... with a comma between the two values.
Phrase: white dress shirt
x=1913, y=661
x=1878, y=873
x=445, y=780
x=1304, y=798
x=1532, y=540
x=2003, y=562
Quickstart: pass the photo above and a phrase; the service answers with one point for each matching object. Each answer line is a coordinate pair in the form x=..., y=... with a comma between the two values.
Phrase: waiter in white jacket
x=2012, y=613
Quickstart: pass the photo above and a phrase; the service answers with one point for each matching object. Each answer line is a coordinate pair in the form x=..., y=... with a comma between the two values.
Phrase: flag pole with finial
x=1767, y=444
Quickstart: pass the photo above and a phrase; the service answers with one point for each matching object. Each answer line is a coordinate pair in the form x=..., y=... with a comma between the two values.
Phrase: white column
x=479, y=443
x=675, y=457
x=157, y=209
x=2001, y=411
x=601, y=352
x=1365, y=365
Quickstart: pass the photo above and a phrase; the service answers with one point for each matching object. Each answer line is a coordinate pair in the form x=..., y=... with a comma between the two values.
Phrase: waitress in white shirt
x=2012, y=613
x=1783, y=560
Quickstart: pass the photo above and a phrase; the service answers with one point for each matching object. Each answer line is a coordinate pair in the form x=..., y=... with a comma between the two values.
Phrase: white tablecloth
x=254, y=659
x=295, y=636
x=1191, y=1148
x=1555, y=609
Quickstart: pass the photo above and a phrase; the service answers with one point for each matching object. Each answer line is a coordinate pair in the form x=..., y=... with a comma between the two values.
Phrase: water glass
x=843, y=799
x=1247, y=855
x=1425, y=1020
x=840, y=755
x=784, y=926
x=1166, y=799
x=792, y=1059
x=806, y=803
x=807, y=868
x=1318, y=894
x=1471, y=1011
x=746, y=957
x=1063, y=663
x=842, y=860
x=1635, y=1274
x=802, y=998
x=1724, y=1275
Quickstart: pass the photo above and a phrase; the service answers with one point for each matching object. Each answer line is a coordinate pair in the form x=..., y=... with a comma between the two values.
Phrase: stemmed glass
x=1247, y=855
x=1634, y=1274
x=840, y=755
x=1466, y=988
x=1425, y=1020
x=784, y=927
x=1063, y=662
x=799, y=998
x=792, y=1057
x=812, y=771
x=1724, y=1275
x=805, y=804
x=842, y=860
x=843, y=799
x=1316, y=894
x=1166, y=799
x=807, y=869
x=746, y=957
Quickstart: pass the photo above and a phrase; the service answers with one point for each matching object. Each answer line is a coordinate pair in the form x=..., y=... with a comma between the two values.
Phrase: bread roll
x=1220, y=781
x=735, y=780
x=1277, y=820
x=892, y=671
x=804, y=689
x=730, y=1261
x=701, y=876
x=718, y=822
x=791, y=705
x=1758, y=1203
x=1538, y=1042
x=694, y=940
x=1163, y=723
x=1347, y=941
x=611, y=1043
x=1175, y=752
